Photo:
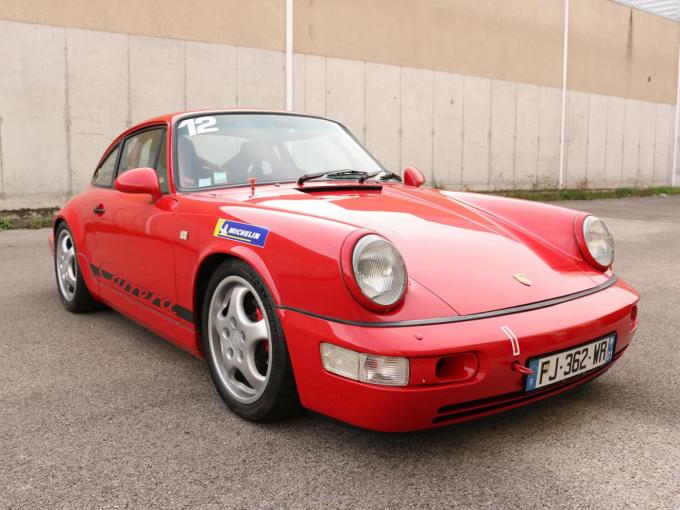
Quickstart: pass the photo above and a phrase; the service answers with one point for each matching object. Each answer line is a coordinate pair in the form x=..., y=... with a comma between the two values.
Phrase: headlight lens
x=599, y=240
x=379, y=270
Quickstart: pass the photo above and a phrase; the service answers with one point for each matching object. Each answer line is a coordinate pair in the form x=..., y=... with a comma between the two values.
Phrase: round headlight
x=599, y=240
x=379, y=270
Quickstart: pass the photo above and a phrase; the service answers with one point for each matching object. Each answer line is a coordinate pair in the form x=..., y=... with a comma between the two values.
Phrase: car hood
x=467, y=257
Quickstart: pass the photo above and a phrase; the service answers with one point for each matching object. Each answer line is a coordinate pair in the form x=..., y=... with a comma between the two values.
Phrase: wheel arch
x=213, y=260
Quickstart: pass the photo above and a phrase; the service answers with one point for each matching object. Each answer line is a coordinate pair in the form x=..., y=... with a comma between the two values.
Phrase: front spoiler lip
x=461, y=318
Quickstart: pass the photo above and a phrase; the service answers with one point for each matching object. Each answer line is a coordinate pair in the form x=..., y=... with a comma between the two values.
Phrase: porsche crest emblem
x=522, y=278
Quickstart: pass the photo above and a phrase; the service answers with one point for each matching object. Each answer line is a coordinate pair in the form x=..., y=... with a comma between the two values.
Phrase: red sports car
x=308, y=276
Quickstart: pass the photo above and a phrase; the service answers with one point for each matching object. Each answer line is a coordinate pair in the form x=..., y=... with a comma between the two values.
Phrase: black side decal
x=141, y=294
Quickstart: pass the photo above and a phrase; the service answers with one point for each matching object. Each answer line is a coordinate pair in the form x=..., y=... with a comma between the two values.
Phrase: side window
x=141, y=150
x=103, y=176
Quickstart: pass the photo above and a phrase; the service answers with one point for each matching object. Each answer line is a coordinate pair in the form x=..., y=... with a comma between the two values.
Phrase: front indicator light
x=368, y=368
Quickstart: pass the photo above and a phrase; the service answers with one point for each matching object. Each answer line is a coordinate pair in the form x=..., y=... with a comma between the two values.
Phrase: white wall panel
x=34, y=111
x=416, y=119
x=631, y=142
x=549, y=137
x=503, y=109
x=577, y=139
x=261, y=79
x=211, y=79
x=315, y=85
x=476, y=126
x=647, y=141
x=383, y=116
x=597, y=140
x=447, y=146
x=527, y=135
x=614, y=147
x=98, y=97
x=157, y=79
x=663, y=148
x=345, y=86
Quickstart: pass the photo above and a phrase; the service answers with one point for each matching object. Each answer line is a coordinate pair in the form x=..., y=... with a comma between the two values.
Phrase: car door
x=134, y=234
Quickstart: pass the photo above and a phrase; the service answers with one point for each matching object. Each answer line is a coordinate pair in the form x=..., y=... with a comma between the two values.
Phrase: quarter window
x=103, y=176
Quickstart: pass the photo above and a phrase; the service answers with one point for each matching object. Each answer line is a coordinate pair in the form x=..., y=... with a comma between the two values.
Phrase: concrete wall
x=468, y=91
x=67, y=92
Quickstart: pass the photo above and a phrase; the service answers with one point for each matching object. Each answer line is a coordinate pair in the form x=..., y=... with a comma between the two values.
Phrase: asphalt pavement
x=96, y=412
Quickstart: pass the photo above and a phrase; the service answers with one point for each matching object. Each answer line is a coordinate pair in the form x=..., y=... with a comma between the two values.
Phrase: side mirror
x=139, y=180
x=413, y=177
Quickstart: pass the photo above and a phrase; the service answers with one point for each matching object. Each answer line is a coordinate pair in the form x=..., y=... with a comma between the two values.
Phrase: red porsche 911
x=308, y=276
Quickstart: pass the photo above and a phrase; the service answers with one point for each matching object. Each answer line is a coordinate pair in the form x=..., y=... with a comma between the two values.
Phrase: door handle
x=99, y=210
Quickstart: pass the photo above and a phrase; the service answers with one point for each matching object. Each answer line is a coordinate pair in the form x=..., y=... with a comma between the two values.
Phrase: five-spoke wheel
x=244, y=345
x=240, y=338
x=67, y=268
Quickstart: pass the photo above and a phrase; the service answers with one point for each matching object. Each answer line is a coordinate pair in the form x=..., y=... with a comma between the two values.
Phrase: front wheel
x=73, y=292
x=245, y=347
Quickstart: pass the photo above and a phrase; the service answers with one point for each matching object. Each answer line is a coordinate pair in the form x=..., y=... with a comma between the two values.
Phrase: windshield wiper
x=388, y=175
x=337, y=174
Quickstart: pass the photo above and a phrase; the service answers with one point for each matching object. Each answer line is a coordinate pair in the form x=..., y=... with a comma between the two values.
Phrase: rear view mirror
x=413, y=177
x=139, y=180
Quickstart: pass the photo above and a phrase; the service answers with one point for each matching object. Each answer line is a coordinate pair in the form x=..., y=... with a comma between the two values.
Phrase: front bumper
x=430, y=402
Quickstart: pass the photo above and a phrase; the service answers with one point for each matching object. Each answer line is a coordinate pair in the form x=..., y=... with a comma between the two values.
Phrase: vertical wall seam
x=184, y=46
x=289, y=56
x=363, y=63
x=401, y=100
x=67, y=118
x=623, y=140
x=488, y=136
x=434, y=178
x=656, y=116
x=563, y=126
x=606, y=139
x=462, y=131
x=514, y=142
x=237, y=94
x=538, y=136
x=2, y=165
x=325, y=86
x=674, y=165
x=128, y=120
x=638, y=171
x=587, y=165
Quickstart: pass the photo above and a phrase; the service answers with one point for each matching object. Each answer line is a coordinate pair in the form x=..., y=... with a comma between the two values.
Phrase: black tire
x=80, y=300
x=279, y=399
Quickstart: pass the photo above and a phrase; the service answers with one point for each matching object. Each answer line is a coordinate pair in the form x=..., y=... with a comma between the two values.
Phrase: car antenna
x=252, y=186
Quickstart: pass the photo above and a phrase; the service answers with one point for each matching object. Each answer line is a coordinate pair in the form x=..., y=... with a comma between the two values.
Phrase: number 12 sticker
x=199, y=125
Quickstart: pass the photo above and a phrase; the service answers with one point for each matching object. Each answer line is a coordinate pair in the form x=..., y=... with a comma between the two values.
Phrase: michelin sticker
x=242, y=232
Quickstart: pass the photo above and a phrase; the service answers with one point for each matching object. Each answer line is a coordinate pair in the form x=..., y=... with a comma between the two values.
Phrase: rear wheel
x=244, y=345
x=73, y=292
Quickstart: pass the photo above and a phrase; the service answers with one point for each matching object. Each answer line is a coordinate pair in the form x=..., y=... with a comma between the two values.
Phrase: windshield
x=229, y=149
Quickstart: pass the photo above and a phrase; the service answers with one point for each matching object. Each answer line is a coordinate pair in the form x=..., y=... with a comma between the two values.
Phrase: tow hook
x=518, y=367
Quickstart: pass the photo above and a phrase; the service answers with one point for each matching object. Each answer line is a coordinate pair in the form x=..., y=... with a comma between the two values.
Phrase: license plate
x=560, y=366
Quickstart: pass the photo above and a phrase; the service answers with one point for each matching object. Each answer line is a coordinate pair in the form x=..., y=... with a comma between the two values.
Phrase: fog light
x=368, y=368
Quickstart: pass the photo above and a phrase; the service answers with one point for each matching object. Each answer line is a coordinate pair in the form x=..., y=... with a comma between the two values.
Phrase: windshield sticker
x=220, y=177
x=199, y=125
x=203, y=183
x=242, y=232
